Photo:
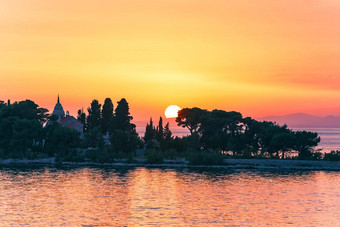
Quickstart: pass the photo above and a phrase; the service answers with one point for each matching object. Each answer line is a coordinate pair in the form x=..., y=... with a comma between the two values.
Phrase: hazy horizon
x=268, y=60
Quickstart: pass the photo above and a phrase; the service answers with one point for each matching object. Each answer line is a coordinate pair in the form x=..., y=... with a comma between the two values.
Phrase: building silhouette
x=66, y=120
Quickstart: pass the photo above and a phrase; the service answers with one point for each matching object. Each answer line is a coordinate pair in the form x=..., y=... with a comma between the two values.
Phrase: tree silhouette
x=304, y=143
x=25, y=110
x=123, y=117
x=219, y=130
x=107, y=116
x=82, y=118
x=94, y=116
x=159, y=135
x=150, y=132
x=190, y=118
x=124, y=138
x=21, y=127
x=167, y=134
x=60, y=140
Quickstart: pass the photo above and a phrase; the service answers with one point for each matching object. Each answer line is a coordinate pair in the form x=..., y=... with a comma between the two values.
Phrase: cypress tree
x=160, y=130
x=149, y=132
x=82, y=118
x=94, y=117
x=167, y=134
x=107, y=116
x=123, y=117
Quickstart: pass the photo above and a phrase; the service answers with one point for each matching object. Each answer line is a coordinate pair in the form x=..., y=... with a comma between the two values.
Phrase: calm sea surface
x=330, y=138
x=47, y=196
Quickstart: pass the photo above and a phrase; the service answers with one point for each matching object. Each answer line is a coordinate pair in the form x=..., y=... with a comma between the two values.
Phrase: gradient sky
x=261, y=57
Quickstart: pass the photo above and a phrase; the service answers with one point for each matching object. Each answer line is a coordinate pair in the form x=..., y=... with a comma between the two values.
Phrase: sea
x=123, y=195
x=139, y=196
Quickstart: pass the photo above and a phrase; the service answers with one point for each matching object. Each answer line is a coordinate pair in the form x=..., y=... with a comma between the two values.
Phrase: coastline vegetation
x=28, y=131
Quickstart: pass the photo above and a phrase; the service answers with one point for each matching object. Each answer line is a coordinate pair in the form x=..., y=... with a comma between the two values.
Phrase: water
x=330, y=138
x=167, y=197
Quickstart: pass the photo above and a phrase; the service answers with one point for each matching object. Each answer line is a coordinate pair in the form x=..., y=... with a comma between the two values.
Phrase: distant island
x=106, y=134
x=302, y=120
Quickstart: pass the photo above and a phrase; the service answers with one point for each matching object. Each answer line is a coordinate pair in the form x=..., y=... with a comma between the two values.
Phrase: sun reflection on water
x=141, y=196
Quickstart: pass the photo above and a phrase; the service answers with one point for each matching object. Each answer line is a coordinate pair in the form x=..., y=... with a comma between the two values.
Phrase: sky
x=260, y=58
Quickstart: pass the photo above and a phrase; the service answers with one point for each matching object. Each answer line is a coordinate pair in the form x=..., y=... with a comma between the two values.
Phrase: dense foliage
x=28, y=131
x=230, y=133
x=21, y=128
x=158, y=137
x=110, y=129
x=332, y=156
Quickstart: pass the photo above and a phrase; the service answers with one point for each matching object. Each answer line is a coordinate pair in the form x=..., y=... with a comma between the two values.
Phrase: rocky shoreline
x=277, y=164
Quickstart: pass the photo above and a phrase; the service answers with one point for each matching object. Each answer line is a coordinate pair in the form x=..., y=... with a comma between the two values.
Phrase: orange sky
x=261, y=57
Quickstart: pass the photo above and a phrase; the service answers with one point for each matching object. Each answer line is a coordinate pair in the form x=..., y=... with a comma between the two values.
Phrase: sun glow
x=172, y=111
x=216, y=55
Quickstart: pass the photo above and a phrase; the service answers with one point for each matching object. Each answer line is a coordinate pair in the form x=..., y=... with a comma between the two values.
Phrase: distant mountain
x=302, y=120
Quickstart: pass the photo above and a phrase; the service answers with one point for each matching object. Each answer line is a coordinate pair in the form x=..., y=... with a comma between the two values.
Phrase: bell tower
x=59, y=110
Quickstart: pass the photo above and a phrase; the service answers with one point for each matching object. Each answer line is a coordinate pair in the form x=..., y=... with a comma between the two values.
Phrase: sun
x=172, y=111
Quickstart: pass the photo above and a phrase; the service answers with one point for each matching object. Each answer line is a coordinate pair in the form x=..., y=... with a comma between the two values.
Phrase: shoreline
x=267, y=164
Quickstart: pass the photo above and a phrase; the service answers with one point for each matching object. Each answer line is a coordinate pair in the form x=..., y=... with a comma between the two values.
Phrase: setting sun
x=90, y=134
x=172, y=111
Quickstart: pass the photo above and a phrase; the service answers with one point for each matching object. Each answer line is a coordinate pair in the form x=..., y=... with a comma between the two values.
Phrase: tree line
x=230, y=133
x=106, y=126
x=21, y=128
x=26, y=130
x=109, y=133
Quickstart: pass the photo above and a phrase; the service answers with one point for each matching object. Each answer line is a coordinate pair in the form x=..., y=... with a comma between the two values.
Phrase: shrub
x=31, y=155
x=72, y=156
x=15, y=155
x=154, y=156
x=99, y=155
x=2, y=154
x=170, y=154
x=316, y=155
x=104, y=156
x=131, y=159
x=332, y=156
x=205, y=158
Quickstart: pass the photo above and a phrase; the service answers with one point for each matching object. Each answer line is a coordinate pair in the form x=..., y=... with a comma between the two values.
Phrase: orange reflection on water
x=141, y=196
